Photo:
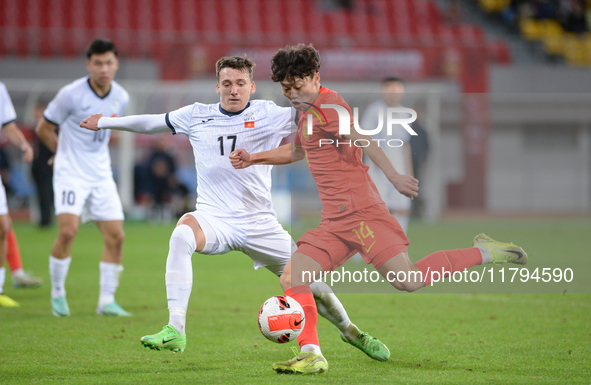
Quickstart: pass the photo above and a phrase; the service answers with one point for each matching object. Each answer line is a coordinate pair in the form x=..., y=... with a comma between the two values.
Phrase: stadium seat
x=150, y=28
x=587, y=51
x=531, y=29
x=494, y=5
x=574, y=50
x=296, y=26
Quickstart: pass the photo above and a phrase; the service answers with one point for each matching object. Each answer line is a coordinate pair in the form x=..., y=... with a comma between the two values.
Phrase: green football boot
x=169, y=338
x=371, y=346
x=112, y=309
x=302, y=363
x=501, y=252
x=59, y=307
x=6, y=301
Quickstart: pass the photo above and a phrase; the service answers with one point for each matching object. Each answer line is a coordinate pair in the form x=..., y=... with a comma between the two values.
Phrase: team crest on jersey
x=249, y=120
x=115, y=106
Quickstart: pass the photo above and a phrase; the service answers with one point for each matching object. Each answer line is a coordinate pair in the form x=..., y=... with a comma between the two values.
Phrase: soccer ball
x=281, y=319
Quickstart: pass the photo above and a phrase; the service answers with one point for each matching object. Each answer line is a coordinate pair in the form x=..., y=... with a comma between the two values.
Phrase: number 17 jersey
x=214, y=133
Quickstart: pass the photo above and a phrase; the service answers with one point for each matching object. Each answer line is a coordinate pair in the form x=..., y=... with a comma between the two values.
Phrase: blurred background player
x=234, y=209
x=354, y=217
x=392, y=94
x=42, y=173
x=419, y=145
x=83, y=180
x=20, y=278
x=157, y=183
x=15, y=136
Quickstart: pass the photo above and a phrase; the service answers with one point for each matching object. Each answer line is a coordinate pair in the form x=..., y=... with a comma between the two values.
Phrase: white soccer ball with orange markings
x=281, y=319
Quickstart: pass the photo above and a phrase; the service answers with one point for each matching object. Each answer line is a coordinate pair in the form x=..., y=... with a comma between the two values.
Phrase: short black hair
x=240, y=63
x=392, y=79
x=99, y=46
x=293, y=62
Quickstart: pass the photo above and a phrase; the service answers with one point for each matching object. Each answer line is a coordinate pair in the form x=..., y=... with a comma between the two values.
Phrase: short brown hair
x=241, y=63
x=294, y=62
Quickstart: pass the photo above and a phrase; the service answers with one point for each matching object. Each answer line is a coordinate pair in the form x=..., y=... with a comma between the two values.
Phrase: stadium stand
x=148, y=28
x=561, y=26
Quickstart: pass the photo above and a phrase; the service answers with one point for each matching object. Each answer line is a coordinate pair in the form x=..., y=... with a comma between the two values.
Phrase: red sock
x=304, y=296
x=13, y=254
x=448, y=261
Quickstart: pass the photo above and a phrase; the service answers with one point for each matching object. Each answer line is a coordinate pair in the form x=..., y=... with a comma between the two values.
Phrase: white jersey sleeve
x=7, y=112
x=59, y=108
x=281, y=119
x=179, y=121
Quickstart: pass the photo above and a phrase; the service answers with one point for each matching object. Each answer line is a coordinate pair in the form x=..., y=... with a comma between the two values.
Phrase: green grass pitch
x=438, y=338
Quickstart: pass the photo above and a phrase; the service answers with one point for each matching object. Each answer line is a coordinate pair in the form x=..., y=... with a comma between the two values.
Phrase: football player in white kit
x=15, y=136
x=83, y=180
x=399, y=205
x=234, y=210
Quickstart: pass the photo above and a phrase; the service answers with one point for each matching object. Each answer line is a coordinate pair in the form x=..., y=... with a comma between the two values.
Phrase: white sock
x=2, y=278
x=177, y=318
x=485, y=253
x=403, y=219
x=109, y=281
x=332, y=309
x=311, y=348
x=179, y=275
x=18, y=272
x=58, y=271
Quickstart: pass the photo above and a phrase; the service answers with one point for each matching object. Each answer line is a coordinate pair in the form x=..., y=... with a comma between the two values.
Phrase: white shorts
x=97, y=202
x=3, y=204
x=263, y=239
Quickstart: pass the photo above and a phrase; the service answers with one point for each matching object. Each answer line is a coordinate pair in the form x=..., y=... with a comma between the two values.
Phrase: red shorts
x=372, y=232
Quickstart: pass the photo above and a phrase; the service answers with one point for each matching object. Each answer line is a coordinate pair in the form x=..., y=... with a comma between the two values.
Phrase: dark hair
x=294, y=62
x=392, y=79
x=99, y=46
x=241, y=63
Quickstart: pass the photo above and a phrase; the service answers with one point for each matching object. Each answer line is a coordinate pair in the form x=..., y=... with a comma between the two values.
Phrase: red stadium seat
x=149, y=28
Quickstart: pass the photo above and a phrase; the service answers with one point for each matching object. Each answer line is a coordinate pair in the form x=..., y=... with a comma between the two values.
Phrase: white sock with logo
x=109, y=281
x=332, y=309
x=179, y=275
x=58, y=271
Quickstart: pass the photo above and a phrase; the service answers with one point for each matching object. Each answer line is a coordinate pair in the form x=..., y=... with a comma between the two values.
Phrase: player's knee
x=116, y=238
x=4, y=229
x=66, y=234
x=406, y=286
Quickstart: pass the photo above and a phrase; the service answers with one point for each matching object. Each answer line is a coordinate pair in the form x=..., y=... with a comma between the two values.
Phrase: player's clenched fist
x=91, y=123
x=406, y=185
x=240, y=158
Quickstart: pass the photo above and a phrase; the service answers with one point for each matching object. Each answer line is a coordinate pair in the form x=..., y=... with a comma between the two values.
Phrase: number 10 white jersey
x=214, y=133
x=83, y=154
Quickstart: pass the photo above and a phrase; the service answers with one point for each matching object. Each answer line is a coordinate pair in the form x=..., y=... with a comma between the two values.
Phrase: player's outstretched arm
x=405, y=184
x=142, y=124
x=16, y=137
x=281, y=155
